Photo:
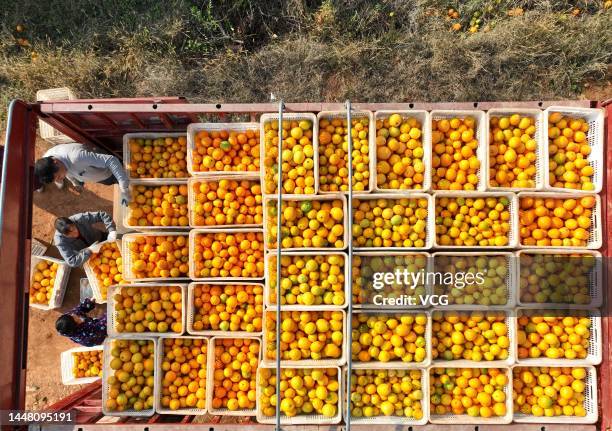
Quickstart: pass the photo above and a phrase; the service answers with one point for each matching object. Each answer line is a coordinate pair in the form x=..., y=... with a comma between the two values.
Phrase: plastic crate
x=430, y=229
x=311, y=419
x=190, y=312
x=397, y=364
x=38, y=248
x=194, y=128
x=595, y=232
x=314, y=363
x=540, y=136
x=510, y=318
x=111, y=314
x=595, y=278
x=469, y=420
x=425, y=120
x=159, y=357
x=228, y=280
x=127, y=256
x=595, y=138
x=594, y=351
x=96, y=286
x=590, y=402
x=426, y=268
x=207, y=179
x=513, y=233
x=48, y=132
x=127, y=157
x=481, y=135
x=59, y=286
x=391, y=420
x=67, y=363
x=210, y=380
x=270, y=267
x=371, y=145
x=265, y=118
x=510, y=281
x=269, y=201
x=108, y=342
x=149, y=184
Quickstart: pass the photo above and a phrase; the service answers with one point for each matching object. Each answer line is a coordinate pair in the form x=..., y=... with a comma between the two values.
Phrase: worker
x=80, y=328
x=75, y=235
x=80, y=165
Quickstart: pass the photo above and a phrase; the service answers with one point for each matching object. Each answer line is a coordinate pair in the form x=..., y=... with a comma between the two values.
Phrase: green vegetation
x=243, y=50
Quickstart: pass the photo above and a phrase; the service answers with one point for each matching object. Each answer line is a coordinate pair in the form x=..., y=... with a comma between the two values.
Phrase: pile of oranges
x=158, y=256
x=556, y=222
x=162, y=206
x=184, y=373
x=43, y=281
x=228, y=308
x=454, y=160
x=87, y=364
x=333, y=159
x=236, y=362
x=107, y=264
x=236, y=254
x=158, y=158
x=226, y=151
x=297, y=157
x=226, y=202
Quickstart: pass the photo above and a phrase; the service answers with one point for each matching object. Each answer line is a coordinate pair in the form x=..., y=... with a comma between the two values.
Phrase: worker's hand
x=112, y=235
x=126, y=197
x=95, y=247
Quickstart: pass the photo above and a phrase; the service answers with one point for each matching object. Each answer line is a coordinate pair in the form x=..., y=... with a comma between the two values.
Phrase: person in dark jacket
x=75, y=235
x=80, y=328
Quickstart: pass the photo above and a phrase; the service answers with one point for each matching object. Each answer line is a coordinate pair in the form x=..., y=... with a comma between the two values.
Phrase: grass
x=304, y=50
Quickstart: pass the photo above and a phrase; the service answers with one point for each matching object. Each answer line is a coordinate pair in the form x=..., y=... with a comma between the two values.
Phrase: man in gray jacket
x=80, y=165
x=75, y=235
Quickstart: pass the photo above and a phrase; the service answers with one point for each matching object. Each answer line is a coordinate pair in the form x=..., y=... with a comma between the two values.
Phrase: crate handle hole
x=155, y=106
x=218, y=106
x=476, y=106
x=411, y=105
x=90, y=107
x=541, y=104
x=211, y=429
x=409, y=428
x=542, y=428
x=475, y=428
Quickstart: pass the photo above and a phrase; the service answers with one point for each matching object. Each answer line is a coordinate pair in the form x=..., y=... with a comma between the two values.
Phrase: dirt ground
x=44, y=383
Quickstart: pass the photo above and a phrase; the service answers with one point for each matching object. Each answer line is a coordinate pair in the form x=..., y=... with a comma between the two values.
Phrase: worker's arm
x=74, y=258
x=110, y=162
x=83, y=308
x=90, y=218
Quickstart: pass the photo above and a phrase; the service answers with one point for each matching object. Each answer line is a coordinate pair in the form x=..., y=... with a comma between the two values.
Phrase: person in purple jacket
x=80, y=328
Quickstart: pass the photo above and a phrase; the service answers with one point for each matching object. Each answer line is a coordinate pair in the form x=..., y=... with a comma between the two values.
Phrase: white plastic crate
x=96, y=286
x=540, y=137
x=38, y=248
x=590, y=402
x=270, y=266
x=194, y=128
x=513, y=233
x=127, y=256
x=67, y=363
x=397, y=364
x=190, y=312
x=481, y=135
x=510, y=321
x=595, y=278
x=59, y=286
x=127, y=155
x=210, y=380
x=594, y=351
x=310, y=419
x=48, y=132
x=371, y=146
x=272, y=222
x=427, y=268
x=430, y=229
x=228, y=280
x=595, y=232
x=215, y=179
x=510, y=281
x=297, y=116
x=107, y=372
x=469, y=420
x=159, y=357
x=305, y=362
x=424, y=118
x=390, y=420
x=595, y=138
x=111, y=314
x=149, y=184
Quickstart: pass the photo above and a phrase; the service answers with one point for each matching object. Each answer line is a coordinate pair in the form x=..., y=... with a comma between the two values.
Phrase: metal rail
x=281, y=107
x=349, y=320
x=7, y=144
